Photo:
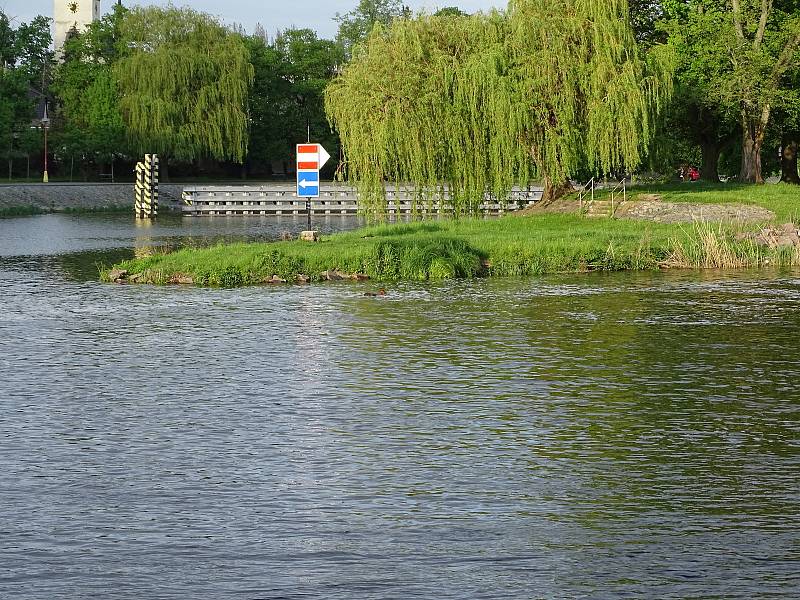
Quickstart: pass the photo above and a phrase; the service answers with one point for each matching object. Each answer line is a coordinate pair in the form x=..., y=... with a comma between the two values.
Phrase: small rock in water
x=334, y=275
x=117, y=275
x=380, y=292
x=302, y=278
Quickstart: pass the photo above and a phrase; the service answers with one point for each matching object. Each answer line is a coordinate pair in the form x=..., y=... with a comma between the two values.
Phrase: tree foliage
x=484, y=102
x=763, y=47
x=450, y=11
x=90, y=121
x=740, y=57
x=291, y=73
x=356, y=25
x=698, y=115
x=184, y=84
x=25, y=63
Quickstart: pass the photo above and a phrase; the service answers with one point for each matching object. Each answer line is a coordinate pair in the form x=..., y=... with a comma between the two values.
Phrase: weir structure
x=336, y=199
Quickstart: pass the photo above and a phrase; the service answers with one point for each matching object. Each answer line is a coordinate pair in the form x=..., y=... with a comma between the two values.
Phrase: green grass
x=509, y=246
x=30, y=210
x=429, y=250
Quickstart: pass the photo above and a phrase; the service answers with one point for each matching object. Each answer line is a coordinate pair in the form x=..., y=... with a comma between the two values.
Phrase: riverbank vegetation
x=513, y=245
x=21, y=211
x=482, y=103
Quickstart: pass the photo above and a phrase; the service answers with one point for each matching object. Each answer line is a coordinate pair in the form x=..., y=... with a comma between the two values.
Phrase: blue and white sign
x=308, y=184
x=310, y=159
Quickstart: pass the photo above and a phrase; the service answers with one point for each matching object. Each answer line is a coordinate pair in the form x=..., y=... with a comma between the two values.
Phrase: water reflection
x=59, y=233
x=627, y=435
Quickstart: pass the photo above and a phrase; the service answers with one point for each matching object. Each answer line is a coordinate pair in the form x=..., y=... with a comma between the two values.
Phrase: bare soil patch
x=650, y=207
x=688, y=212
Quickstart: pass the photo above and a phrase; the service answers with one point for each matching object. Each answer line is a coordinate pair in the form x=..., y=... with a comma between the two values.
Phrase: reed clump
x=716, y=246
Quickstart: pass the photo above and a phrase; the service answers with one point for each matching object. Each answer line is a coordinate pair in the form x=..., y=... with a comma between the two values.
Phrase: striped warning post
x=146, y=187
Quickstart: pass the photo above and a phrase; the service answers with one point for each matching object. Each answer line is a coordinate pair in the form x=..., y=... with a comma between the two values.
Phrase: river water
x=585, y=436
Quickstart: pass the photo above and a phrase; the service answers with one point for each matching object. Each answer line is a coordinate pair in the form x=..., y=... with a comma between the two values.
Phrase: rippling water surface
x=595, y=436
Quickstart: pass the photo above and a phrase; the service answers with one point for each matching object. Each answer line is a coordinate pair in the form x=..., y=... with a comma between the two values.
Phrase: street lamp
x=45, y=123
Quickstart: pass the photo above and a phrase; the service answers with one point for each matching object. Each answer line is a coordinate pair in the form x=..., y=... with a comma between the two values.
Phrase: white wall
x=72, y=13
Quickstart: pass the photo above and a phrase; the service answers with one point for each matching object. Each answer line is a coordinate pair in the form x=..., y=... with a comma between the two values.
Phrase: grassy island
x=515, y=245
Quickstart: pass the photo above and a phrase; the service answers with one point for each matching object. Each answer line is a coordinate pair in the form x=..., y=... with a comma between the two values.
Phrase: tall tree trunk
x=753, y=129
x=553, y=191
x=751, y=161
x=710, y=168
x=789, y=144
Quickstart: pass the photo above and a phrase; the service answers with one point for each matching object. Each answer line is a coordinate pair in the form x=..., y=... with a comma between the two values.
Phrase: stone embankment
x=59, y=197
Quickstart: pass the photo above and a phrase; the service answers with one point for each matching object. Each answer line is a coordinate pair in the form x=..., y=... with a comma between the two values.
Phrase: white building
x=72, y=14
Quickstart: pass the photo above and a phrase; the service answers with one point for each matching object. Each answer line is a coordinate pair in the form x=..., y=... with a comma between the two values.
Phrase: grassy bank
x=509, y=246
x=91, y=210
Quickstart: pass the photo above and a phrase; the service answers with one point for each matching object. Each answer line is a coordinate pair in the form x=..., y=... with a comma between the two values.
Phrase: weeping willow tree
x=184, y=83
x=481, y=103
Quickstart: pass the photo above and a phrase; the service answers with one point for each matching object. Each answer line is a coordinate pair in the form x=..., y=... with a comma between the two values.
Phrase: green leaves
x=484, y=102
x=356, y=25
x=290, y=76
x=25, y=61
x=184, y=85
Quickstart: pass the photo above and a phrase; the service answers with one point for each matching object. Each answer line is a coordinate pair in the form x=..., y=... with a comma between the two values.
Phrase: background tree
x=788, y=115
x=89, y=122
x=484, y=102
x=286, y=99
x=763, y=41
x=183, y=85
x=736, y=58
x=356, y=25
x=450, y=11
x=25, y=63
x=700, y=114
